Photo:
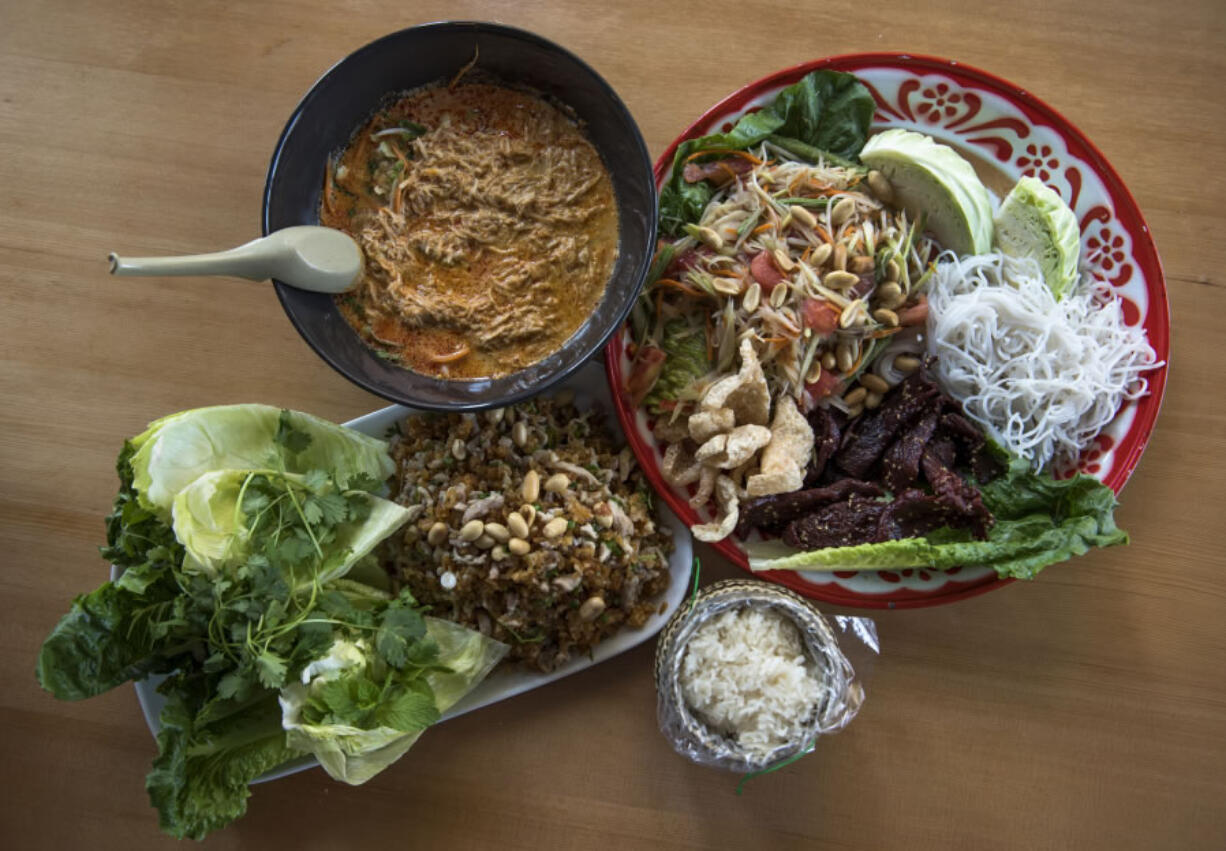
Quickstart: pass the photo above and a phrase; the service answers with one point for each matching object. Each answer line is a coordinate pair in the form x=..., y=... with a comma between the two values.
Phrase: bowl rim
x=1157, y=322
x=586, y=354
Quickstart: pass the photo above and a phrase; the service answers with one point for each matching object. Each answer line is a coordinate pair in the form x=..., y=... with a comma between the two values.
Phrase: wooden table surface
x=1084, y=710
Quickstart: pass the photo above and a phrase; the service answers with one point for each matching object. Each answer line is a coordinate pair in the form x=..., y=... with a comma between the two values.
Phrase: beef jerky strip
x=865, y=442
x=971, y=444
x=771, y=513
x=827, y=431
x=952, y=490
x=840, y=524
x=916, y=513
x=901, y=464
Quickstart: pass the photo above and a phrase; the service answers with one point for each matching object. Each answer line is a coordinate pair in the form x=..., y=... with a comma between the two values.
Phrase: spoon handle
x=246, y=261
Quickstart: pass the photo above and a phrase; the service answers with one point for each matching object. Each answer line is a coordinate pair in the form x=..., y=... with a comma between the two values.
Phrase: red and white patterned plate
x=1006, y=133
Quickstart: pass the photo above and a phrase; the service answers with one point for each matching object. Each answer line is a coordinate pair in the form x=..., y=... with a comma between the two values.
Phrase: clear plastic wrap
x=828, y=641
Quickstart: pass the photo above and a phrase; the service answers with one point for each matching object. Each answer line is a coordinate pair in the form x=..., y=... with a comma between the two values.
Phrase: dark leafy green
x=686, y=349
x=110, y=636
x=206, y=760
x=119, y=631
x=825, y=113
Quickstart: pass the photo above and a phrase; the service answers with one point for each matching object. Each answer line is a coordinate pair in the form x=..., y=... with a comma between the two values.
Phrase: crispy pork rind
x=745, y=393
x=704, y=425
x=679, y=467
x=713, y=452
x=729, y=506
x=706, y=486
x=787, y=455
x=743, y=443
x=668, y=430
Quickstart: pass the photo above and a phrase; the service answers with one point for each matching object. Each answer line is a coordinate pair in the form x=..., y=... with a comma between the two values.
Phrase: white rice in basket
x=746, y=674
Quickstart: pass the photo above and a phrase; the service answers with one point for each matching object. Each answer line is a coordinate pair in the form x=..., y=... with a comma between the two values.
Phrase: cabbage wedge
x=357, y=714
x=210, y=520
x=174, y=451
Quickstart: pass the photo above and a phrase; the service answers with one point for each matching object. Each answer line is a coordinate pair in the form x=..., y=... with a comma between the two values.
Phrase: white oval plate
x=506, y=681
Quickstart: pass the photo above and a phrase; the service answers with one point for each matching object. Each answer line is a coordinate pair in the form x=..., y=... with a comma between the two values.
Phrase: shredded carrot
x=823, y=233
x=804, y=258
x=856, y=365
x=729, y=151
x=885, y=332
x=452, y=357
x=775, y=341
x=762, y=228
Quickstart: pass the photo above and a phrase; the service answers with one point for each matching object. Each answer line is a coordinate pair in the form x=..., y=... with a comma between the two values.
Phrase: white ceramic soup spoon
x=308, y=257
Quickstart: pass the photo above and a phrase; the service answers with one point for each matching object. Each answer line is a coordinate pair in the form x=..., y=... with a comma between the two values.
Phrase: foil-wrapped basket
x=841, y=696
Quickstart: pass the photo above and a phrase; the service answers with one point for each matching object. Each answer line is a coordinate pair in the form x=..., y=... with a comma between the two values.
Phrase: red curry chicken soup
x=488, y=224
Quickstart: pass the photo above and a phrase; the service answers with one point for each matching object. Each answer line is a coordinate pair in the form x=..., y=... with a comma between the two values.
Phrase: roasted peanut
x=437, y=534
x=516, y=525
x=471, y=531
x=875, y=383
x=532, y=485
x=842, y=211
x=881, y=187
x=840, y=280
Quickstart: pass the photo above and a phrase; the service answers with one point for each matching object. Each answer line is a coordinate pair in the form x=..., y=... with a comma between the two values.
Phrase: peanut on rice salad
x=528, y=524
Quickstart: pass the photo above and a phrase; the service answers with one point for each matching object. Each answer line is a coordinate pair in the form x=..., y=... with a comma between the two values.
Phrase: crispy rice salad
x=528, y=524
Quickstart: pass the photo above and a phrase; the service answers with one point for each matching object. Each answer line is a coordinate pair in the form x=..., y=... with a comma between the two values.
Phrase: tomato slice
x=819, y=315
x=826, y=385
x=762, y=267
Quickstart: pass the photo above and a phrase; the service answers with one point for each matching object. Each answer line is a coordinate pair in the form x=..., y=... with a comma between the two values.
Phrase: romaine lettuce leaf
x=201, y=776
x=176, y=450
x=828, y=110
x=1039, y=521
x=117, y=632
x=107, y=638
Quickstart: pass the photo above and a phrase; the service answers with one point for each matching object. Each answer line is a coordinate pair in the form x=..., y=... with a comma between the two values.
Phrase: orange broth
x=488, y=225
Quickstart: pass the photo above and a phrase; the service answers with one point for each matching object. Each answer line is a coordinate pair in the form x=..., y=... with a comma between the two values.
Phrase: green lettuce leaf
x=201, y=776
x=118, y=632
x=107, y=638
x=686, y=362
x=174, y=451
x=132, y=530
x=1039, y=521
x=827, y=110
x=214, y=528
x=358, y=714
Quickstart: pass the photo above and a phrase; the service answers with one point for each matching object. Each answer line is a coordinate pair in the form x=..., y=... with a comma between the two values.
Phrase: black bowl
x=345, y=97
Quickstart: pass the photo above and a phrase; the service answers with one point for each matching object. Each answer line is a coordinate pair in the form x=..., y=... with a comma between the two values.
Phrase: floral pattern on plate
x=1008, y=134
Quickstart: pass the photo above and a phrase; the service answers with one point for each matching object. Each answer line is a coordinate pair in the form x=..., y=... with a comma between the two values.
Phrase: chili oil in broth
x=488, y=225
